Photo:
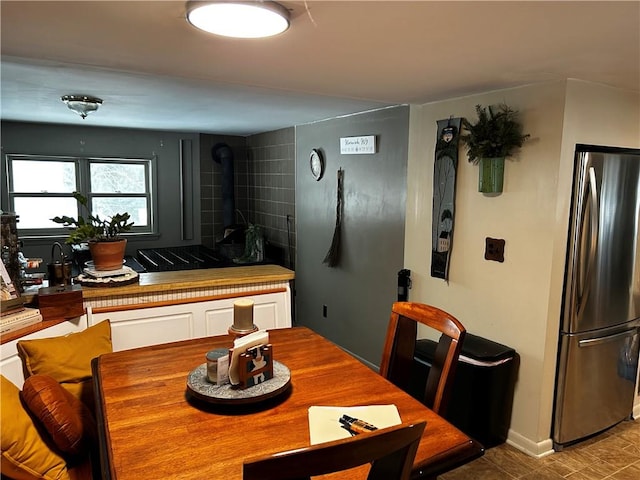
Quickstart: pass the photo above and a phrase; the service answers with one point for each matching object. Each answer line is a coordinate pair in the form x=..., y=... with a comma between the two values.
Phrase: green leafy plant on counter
x=93, y=228
x=254, y=245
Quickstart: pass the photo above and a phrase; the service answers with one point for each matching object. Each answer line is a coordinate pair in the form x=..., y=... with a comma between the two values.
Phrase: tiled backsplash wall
x=264, y=189
x=211, y=185
x=271, y=189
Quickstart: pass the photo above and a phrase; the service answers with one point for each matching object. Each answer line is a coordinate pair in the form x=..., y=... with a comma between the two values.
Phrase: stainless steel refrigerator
x=600, y=322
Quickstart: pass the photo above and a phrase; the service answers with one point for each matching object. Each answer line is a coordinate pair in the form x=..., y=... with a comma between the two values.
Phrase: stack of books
x=18, y=317
x=13, y=314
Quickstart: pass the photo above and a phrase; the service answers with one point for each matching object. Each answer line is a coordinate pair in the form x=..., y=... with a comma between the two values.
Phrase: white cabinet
x=150, y=326
x=269, y=311
x=10, y=363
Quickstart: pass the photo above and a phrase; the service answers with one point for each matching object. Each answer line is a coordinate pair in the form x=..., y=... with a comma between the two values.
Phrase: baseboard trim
x=372, y=366
x=533, y=449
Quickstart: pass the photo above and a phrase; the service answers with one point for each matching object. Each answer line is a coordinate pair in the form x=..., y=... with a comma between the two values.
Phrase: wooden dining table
x=151, y=426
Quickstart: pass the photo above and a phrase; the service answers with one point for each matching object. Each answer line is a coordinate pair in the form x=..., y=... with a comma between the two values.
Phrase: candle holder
x=242, y=318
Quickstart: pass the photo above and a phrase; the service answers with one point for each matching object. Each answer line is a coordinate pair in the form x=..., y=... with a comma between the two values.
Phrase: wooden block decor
x=255, y=366
x=62, y=302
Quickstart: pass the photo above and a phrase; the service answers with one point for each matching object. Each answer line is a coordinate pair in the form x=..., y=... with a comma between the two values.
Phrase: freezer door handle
x=592, y=342
x=584, y=273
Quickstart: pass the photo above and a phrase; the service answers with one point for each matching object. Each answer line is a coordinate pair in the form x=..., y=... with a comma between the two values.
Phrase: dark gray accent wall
x=358, y=293
x=264, y=178
x=46, y=139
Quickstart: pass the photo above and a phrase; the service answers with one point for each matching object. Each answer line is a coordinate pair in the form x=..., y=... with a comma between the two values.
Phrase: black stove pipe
x=222, y=154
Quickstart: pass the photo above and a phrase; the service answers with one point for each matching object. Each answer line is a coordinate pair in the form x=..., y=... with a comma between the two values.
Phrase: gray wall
x=358, y=292
x=45, y=139
x=273, y=181
x=264, y=167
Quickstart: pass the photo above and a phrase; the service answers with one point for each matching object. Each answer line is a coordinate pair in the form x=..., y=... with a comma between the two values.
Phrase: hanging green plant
x=496, y=134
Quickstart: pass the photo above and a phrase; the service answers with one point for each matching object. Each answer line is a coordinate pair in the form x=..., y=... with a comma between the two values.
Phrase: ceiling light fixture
x=83, y=105
x=255, y=19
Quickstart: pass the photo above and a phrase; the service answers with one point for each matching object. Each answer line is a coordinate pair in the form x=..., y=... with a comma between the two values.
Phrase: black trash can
x=482, y=397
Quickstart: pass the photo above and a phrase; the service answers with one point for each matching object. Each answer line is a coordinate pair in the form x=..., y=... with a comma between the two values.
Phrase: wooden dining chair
x=390, y=451
x=399, y=347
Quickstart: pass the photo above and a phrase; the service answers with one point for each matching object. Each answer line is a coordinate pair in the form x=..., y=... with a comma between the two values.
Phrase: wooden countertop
x=184, y=279
x=170, y=281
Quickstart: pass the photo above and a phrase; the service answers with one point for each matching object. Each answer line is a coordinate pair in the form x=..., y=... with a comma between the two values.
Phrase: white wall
x=517, y=302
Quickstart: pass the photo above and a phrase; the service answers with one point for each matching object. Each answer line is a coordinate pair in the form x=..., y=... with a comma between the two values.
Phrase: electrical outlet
x=494, y=249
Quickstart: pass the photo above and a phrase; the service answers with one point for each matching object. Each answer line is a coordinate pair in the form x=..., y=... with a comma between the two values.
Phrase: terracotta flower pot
x=491, y=175
x=108, y=255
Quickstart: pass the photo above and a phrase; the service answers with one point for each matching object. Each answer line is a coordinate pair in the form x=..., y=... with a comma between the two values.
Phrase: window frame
x=83, y=185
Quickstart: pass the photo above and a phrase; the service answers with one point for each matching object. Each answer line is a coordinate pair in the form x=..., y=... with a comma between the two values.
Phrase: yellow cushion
x=25, y=454
x=68, y=359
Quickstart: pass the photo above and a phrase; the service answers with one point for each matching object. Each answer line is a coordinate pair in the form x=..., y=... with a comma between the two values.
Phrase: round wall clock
x=316, y=162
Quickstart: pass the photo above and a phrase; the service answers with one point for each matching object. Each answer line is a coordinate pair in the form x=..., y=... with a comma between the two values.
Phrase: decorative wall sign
x=444, y=190
x=358, y=145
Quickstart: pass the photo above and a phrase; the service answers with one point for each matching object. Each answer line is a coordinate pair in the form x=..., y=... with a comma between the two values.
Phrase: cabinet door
x=269, y=311
x=149, y=326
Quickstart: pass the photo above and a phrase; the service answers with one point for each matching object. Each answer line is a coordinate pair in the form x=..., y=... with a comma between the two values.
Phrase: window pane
x=52, y=176
x=37, y=212
x=136, y=207
x=117, y=178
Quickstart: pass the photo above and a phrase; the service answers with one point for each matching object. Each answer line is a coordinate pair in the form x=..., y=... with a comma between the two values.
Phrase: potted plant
x=103, y=236
x=495, y=136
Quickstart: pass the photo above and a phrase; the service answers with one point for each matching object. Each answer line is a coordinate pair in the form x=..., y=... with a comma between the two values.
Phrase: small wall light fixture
x=252, y=19
x=83, y=105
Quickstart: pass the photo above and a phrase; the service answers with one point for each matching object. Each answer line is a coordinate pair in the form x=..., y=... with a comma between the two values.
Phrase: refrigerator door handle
x=592, y=342
x=584, y=274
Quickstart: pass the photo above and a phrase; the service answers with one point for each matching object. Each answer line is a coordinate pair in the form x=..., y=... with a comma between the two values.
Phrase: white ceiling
x=154, y=70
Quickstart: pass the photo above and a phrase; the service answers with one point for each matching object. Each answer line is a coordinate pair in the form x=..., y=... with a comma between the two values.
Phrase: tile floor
x=612, y=455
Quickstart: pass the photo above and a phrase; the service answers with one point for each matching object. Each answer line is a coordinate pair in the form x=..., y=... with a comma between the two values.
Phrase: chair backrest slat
x=399, y=350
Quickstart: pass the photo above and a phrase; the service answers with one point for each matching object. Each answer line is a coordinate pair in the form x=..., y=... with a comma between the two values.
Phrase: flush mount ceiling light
x=239, y=19
x=83, y=105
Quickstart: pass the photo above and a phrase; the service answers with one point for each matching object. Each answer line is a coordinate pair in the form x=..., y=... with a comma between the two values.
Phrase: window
x=41, y=187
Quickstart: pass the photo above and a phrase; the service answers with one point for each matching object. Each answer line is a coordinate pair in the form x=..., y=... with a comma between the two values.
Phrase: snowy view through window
x=42, y=189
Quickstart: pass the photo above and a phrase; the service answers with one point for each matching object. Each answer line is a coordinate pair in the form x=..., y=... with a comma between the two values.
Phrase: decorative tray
x=125, y=276
x=202, y=389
